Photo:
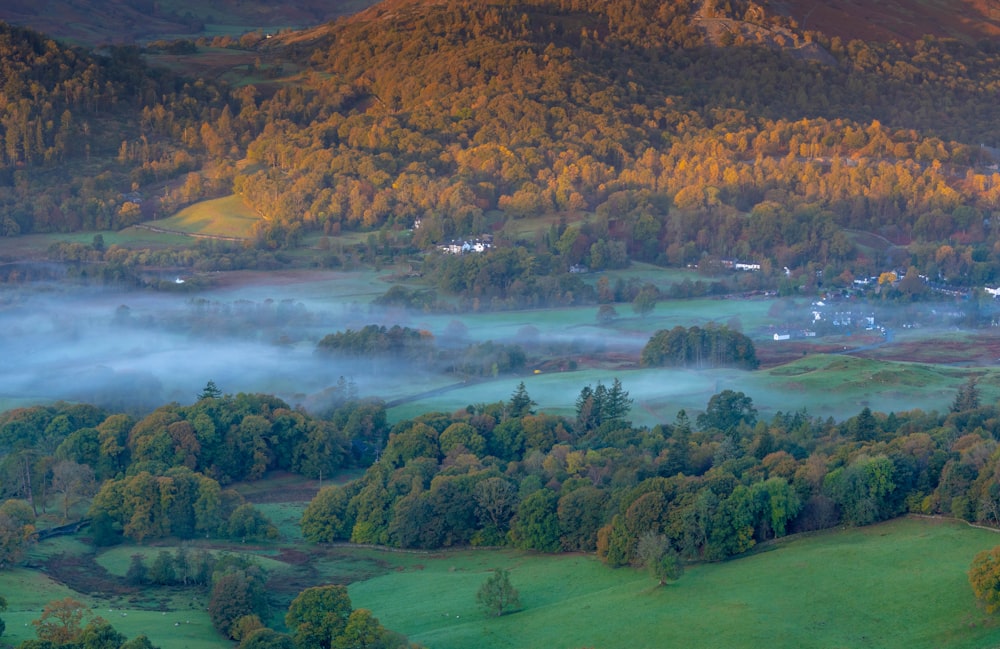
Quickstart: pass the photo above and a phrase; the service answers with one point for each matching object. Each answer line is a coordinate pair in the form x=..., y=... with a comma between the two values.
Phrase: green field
x=825, y=386
x=228, y=216
x=899, y=584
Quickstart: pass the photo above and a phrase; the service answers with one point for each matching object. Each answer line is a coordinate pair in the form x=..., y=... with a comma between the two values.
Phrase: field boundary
x=938, y=517
x=195, y=235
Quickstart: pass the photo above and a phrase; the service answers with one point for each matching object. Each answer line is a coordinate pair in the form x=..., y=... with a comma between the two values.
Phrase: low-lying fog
x=138, y=350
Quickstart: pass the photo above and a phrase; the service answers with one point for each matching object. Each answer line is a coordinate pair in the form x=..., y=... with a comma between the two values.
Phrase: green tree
x=3, y=607
x=727, y=410
x=247, y=522
x=496, y=500
x=318, y=615
x=581, y=514
x=138, y=642
x=266, y=639
x=363, y=631
x=327, y=518
x=162, y=571
x=137, y=573
x=99, y=634
x=658, y=557
x=497, y=594
x=616, y=405
x=536, y=526
x=645, y=300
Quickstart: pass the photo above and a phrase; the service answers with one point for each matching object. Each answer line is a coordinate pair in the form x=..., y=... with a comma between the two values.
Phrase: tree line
x=418, y=348
x=166, y=474
x=712, y=488
x=697, y=347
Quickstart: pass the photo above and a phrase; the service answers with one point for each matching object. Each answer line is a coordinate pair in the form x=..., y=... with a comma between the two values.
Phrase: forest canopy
x=454, y=120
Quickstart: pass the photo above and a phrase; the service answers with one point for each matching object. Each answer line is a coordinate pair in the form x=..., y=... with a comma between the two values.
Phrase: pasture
x=228, y=216
x=899, y=584
x=824, y=385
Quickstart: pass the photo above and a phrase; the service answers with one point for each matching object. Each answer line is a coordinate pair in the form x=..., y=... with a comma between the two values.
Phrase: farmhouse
x=466, y=246
x=740, y=265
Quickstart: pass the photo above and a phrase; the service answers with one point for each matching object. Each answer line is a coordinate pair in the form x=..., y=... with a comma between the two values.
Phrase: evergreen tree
x=616, y=405
x=520, y=403
x=967, y=397
x=210, y=391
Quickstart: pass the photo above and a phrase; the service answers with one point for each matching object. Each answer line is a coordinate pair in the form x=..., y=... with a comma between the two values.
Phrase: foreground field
x=899, y=584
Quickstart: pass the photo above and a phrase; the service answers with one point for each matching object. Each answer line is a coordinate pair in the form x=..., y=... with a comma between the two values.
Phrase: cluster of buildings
x=466, y=246
x=740, y=265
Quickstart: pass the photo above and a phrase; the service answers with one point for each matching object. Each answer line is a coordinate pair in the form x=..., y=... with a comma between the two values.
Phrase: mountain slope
x=117, y=21
x=677, y=133
x=969, y=20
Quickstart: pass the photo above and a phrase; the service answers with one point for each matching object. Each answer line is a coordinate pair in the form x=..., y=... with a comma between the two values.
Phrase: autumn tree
x=236, y=593
x=497, y=594
x=645, y=301
x=61, y=621
x=71, y=481
x=984, y=577
x=17, y=531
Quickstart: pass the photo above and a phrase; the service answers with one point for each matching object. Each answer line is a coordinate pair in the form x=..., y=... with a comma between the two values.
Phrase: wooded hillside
x=761, y=141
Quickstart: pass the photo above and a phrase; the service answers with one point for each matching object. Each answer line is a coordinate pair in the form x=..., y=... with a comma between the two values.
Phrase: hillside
x=630, y=110
x=675, y=133
x=125, y=21
x=969, y=20
x=97, y=21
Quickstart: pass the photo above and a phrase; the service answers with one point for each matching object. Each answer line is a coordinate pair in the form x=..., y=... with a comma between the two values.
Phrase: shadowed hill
x=126, y=21
x=968, y=20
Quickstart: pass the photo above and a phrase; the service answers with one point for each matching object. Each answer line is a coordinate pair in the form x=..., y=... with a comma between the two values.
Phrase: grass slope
x=228, y=216
x=899, y=584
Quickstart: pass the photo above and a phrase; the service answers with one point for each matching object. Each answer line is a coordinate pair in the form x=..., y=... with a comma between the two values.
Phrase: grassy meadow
x=824, y=385
x=898, y=584
x=228, y=216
